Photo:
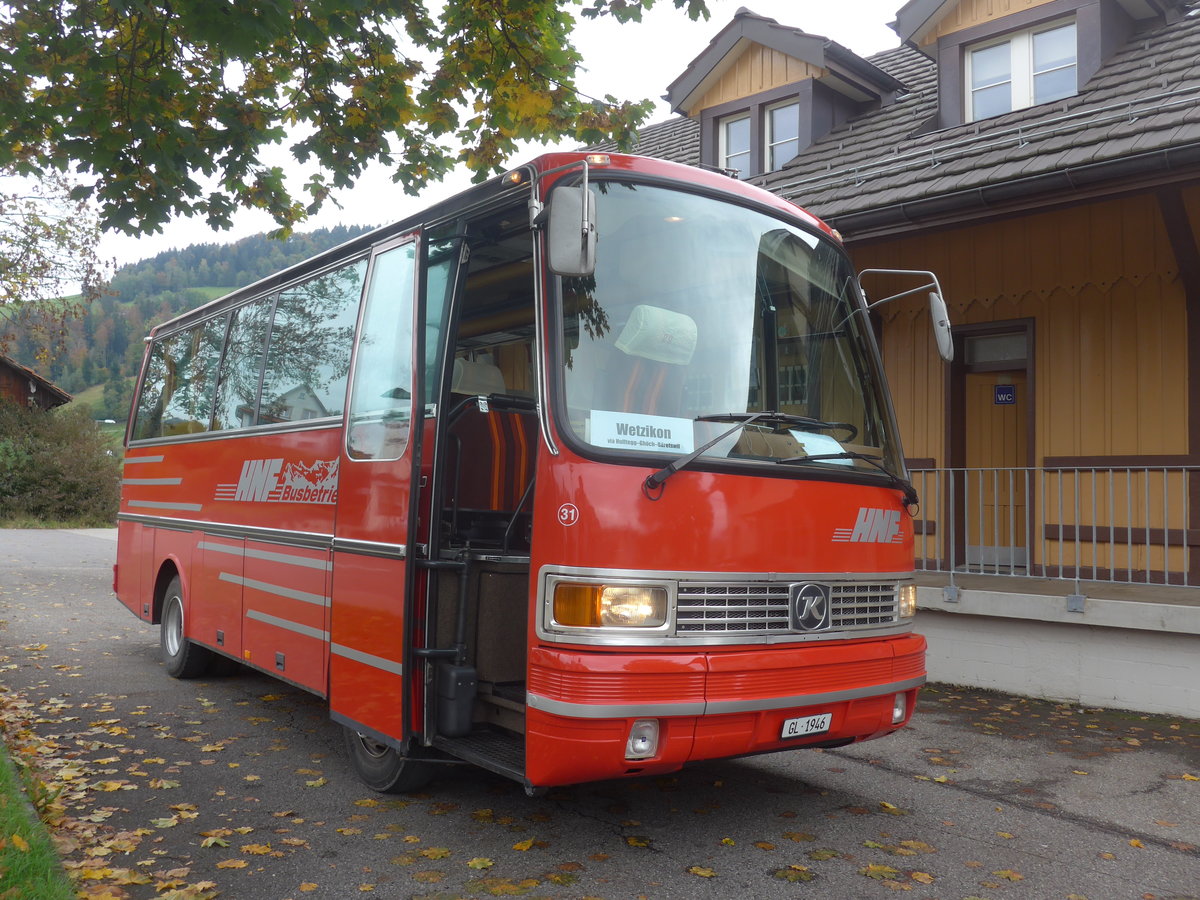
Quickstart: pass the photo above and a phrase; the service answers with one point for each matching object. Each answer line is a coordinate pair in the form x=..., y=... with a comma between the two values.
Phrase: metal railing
x=1121, y=524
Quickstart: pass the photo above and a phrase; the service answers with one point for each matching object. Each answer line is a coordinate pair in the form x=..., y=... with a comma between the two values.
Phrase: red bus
x=653, y=509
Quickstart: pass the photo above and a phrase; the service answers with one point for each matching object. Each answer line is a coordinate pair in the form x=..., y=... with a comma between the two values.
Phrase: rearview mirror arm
x=933, y=283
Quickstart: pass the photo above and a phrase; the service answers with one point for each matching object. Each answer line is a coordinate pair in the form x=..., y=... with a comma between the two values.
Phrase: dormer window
x=1022, y=69
x=735, y=145
x=761, y=140
x=783, y=134
x=765, y=92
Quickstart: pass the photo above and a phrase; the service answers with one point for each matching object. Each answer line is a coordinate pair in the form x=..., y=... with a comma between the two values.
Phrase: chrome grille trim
x=761, y=607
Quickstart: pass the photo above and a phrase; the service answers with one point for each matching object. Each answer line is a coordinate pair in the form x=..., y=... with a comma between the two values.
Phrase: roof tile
x=1145, y=98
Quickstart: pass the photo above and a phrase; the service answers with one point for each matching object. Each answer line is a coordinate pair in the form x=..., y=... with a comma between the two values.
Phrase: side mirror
x=937, y=305
x=941, y=326
x=571, y=233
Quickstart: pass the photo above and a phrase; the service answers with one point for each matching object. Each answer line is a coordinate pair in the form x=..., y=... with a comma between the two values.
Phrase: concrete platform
x=1122, y=646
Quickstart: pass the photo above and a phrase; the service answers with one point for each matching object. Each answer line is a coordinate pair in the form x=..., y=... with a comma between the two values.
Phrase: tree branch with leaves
x=47, y=254
x=165, y=107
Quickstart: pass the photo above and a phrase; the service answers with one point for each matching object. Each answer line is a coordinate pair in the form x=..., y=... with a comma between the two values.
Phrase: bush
x=56, y=467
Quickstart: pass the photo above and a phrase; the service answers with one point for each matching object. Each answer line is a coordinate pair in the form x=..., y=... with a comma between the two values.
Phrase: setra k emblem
x=809, y=606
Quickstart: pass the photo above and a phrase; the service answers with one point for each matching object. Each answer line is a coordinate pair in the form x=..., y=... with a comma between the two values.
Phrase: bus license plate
x=806, y=725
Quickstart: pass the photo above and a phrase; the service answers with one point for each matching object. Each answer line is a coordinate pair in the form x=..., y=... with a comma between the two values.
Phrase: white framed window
x=782, y=134
x=1021, y=70
x=793, y=385
x=734, y=142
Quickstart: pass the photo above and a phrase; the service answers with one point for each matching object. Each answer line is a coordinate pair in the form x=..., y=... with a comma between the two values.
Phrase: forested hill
x=103, y=350
x=221, y=265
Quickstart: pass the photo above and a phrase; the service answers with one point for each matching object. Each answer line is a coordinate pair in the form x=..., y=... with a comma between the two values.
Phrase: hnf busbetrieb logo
x=283, y=481
x=873, y=526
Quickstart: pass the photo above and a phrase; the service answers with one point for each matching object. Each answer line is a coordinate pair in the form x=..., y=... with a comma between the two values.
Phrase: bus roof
x=494, y=191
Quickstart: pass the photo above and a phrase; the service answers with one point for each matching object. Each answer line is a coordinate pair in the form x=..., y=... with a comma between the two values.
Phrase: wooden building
x=1042, y=157
x=26, y=387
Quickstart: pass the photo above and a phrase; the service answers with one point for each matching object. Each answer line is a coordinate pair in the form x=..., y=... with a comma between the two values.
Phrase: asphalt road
x=237, y=787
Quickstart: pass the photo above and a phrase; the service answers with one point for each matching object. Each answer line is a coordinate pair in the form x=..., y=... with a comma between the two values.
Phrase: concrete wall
x=1143, y=668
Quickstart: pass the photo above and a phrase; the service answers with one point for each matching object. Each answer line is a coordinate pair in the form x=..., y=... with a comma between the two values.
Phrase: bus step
x=501, y=752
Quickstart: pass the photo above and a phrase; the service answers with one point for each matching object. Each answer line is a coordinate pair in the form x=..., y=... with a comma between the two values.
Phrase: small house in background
x=1042, y=157
x=26, y=387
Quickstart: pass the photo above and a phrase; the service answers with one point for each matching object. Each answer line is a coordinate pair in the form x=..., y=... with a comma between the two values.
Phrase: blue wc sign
x=1006, y=395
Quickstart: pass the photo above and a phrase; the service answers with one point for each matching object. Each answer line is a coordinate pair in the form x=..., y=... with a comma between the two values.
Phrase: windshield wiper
x=770, y=416
x=910, y=493
x=656, y=480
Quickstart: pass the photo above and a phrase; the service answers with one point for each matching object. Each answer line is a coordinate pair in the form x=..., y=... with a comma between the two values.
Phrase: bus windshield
x=702, y=313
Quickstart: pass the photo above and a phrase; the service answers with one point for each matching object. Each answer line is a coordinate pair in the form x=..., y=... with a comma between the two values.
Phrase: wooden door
x=996, y=483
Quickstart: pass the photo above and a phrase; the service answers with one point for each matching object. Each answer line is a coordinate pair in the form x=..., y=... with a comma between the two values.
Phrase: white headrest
x=662, y=335
x=476, y=378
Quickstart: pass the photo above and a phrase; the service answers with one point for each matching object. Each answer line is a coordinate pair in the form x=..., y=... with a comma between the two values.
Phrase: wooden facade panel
x=1144, y=245
x=1057, y=365
x=1090, y=381
x=968, y=13
x=922, y=410
x=1110, y=326
x=1124, y=355
x=17, y=386
x=757, y=69
x=1164, y=340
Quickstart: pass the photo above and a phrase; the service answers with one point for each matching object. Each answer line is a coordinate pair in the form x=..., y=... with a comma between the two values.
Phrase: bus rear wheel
x=182, y=658
x=383, y=768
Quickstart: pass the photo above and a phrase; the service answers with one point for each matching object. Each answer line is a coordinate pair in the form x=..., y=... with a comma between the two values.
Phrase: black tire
x=383, y=768
x=182, y=658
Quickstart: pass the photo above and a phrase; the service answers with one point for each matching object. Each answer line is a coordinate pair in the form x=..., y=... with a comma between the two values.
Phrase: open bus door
x=373, y=546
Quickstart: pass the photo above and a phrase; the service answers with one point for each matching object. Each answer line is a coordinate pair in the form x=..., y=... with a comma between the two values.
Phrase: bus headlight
x=607, y=605
x=907, y=601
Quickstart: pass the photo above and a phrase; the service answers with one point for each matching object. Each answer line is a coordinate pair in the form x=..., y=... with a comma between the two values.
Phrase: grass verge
x=29, y=865
x=28, y=522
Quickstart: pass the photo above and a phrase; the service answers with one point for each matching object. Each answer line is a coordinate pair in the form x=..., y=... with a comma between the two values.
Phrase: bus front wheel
x=182, y=658
x=383, y=768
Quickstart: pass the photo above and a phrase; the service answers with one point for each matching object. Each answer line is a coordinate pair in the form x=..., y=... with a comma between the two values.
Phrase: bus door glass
x=484, y=484
x=371, y=541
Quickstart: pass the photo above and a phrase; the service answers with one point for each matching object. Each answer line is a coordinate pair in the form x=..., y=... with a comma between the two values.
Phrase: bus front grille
x=763, y=607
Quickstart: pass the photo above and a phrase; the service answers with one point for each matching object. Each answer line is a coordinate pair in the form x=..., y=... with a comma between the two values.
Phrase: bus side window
x=241, y=369
x=177, y=395
x=147, y=421
x=308, y=358
x=381, y=397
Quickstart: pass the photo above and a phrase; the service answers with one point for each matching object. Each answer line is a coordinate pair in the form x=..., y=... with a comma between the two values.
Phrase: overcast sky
x=633, y=62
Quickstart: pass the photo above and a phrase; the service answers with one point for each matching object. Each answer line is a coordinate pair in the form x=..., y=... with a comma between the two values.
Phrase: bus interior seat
x=476, y=378
x=490, y=463
x=658, y=344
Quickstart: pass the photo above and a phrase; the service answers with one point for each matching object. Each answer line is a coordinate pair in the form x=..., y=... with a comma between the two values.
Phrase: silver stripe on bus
x=166, y=504
x=370, y=548
x=142, y=459
x=376, y=662
x=738, y=706
x=717, y=707
x=231, y=549
x=277, y=590
x=219, y=529
x=287, y=625
x=151, y=481
x=612, y=710
x=286, y=558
